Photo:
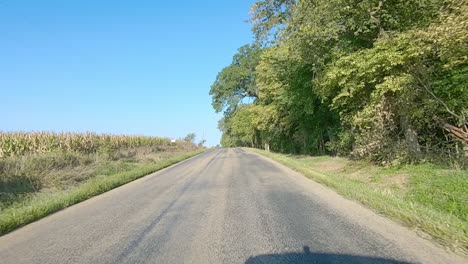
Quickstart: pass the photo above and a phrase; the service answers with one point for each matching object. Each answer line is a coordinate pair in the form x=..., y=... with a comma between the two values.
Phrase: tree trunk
x=458, y=133
x=411, y=138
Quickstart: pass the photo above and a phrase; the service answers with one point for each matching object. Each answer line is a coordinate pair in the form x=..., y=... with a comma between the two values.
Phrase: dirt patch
x=360, y=175
x=331, y=165
x=399, y=180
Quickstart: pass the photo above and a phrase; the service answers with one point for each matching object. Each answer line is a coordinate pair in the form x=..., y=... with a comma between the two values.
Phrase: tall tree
x=377, y=79
x=269, y=17
x=237, y=81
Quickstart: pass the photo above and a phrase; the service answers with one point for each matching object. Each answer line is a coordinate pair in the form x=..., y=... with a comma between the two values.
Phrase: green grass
x=22, y=207
x=424, y=197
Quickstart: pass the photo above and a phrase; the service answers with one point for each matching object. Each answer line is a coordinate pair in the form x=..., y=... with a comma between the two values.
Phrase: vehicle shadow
x=311, y=257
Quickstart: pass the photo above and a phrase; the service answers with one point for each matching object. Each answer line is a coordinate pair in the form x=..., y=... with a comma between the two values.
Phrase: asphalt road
x=223, y=206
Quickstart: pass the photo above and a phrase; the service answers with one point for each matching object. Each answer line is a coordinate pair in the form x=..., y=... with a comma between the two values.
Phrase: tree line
x=382, y=80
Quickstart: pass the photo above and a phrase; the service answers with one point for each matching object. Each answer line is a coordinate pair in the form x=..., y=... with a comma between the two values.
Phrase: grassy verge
x=24, y=209
x=427, y=198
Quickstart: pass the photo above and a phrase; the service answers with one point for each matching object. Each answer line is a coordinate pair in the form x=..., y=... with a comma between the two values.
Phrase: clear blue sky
x=122, y=67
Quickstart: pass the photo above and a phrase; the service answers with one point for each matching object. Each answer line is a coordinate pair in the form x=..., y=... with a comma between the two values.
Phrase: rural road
x=223, y=206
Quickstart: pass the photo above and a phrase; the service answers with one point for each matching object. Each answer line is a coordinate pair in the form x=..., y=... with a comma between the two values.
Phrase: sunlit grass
x=42, y=172
x=39, y=205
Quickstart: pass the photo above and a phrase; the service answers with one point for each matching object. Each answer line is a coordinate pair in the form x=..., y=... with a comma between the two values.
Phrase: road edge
x=374, y=220
x=16, y=218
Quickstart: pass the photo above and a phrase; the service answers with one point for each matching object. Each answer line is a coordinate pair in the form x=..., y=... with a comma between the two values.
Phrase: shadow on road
x=310, y=257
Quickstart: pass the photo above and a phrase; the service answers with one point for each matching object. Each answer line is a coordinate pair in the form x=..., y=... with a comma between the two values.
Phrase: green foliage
x=342, y=144
x=269, y=15
x=237, y=81
x=302, y=122
x=403, y=83
x=242, y=127
x=201, y=144
x=190, y=137
x=373, y=79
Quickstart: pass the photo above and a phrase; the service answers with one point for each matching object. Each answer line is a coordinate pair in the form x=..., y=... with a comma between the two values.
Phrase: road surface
x=223, y=206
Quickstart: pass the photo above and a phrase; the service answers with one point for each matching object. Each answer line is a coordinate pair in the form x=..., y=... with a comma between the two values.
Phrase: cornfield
x=21, y=143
